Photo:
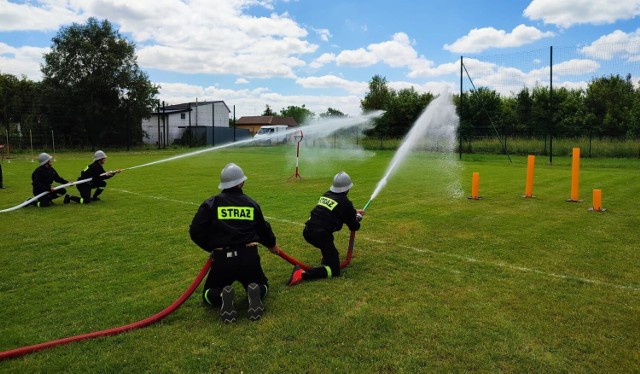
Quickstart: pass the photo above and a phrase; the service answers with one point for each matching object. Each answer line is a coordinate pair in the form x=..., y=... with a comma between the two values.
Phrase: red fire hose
x=343, y=264
x=116, y=330
x=158, y=316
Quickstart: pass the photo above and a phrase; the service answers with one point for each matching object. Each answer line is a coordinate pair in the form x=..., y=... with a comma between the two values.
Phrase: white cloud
x=21, y=61
x=508, y=80
x=356, y=58
x=618, y=43
x=324, y=34
x=436, y=88
x=324, y=59
x=569, y=13
x=37, y=15
x=397, y=52
x=576, y=67
x=331, y=81
x=196, y=38
x=437, y=71
x=485, y=38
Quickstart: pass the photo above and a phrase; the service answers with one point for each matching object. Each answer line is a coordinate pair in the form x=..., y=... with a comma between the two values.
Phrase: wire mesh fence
x=530, y=102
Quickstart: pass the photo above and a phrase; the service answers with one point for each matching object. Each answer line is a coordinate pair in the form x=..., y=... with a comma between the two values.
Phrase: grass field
x=438, y=282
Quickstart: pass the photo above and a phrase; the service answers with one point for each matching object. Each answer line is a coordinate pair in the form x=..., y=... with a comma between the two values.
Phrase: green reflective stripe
x=87, y=168
x=206, y=296
x=329, y=273
x=327, y=203
x=81, y=201
x=235, y=212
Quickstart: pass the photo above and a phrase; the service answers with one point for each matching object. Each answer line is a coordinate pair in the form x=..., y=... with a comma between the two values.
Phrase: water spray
x=438, y=119
x=323, y=128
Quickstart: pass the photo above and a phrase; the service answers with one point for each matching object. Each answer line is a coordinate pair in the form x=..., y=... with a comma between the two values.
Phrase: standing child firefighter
x=229, y=226
x=332, y=211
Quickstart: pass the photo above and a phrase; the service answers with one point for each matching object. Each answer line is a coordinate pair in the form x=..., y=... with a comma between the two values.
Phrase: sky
x=323, y=53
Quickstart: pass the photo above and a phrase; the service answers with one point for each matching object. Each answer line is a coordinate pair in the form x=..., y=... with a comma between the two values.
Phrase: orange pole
x=475, y=185
x=597, y=200
x=575, y=174
x=531, y=162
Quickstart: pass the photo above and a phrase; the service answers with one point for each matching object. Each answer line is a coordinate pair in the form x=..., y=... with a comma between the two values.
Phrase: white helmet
x=43, y=158
x=99, y=155
x=341, y=183
x=231, y=176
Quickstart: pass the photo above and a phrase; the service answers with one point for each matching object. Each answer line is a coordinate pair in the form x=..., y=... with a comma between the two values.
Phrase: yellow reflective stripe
x=327, y=202
x=329, y=273
x=235, y=212
x=206, y=296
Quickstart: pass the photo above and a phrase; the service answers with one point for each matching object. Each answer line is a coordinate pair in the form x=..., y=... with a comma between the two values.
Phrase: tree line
x=94, y=94
x=608, y=108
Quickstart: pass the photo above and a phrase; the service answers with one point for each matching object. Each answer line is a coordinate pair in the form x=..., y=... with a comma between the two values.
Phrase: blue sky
x=321, y=54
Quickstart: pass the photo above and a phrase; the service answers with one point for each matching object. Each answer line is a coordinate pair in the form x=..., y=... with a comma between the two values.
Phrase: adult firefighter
x=230, y=225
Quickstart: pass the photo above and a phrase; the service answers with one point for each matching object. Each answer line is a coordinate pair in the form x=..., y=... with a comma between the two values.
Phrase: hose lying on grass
x=158, y=316
x=343, y=264
x=116, y=330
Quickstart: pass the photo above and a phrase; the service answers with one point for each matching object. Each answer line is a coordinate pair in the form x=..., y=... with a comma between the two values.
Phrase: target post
x=298, y=136
x=597, y=201
x=475, y=186
x=531, y=161
x=575, y=176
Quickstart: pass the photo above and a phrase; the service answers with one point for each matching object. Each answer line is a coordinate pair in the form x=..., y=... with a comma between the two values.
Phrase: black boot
x=96, y=194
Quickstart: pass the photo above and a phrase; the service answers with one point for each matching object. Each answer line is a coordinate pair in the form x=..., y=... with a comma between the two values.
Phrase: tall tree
x=300, y=114
x=378, y=96
x=268, y=111
x=93, y=80
x=20, y=101
x=634, y=129
x=332, y=113
x=523, y=105
x=611, y=100
x=403, y=110
x=569, y=115
x=483, y=111
x=540, y=122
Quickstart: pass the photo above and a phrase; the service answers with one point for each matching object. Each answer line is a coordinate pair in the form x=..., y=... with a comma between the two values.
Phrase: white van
x=275, y=134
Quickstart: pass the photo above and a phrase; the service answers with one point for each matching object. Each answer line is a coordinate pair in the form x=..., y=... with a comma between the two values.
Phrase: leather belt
x=232, y=251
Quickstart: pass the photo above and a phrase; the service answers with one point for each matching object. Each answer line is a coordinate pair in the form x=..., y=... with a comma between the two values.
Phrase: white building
x=169, y=123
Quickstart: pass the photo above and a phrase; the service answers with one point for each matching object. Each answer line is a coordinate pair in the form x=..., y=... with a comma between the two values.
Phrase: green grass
x=438, y=282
